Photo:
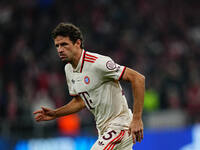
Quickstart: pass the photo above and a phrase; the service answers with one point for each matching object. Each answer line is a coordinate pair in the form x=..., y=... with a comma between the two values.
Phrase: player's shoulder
x=101, y=61
x=88, y=53
x=99, y=58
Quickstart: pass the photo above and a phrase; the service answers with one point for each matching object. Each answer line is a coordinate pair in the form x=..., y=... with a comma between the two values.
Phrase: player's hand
x=44, y=114
x=136, y=130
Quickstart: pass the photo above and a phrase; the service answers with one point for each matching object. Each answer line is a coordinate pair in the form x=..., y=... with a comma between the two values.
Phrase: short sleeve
x=69, y=82
x=109, y=69
x=70, y=88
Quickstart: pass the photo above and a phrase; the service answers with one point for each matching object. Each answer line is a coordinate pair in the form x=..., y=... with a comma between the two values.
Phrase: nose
x=60, y=49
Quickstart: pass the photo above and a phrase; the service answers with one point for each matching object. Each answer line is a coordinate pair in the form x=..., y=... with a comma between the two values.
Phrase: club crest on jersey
x=86, y=80
x=110, y=65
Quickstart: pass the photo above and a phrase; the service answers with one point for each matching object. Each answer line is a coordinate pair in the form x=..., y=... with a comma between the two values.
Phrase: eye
x=63, y=44
x=57, y=45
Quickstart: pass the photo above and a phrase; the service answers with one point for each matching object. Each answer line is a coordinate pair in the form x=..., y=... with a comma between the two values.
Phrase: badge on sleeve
x=111, y=65
x=86, y=80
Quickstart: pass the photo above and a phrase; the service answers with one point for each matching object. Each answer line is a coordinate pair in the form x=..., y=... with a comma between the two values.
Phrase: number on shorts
x=110, y=134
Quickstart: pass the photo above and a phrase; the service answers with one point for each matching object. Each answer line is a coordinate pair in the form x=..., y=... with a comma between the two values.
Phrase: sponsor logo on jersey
x=111, y=65
x=73, y=81
x=101, y=143
x=86, y=80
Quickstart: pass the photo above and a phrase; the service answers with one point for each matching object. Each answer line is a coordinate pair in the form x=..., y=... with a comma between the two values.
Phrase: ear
x=78, y=43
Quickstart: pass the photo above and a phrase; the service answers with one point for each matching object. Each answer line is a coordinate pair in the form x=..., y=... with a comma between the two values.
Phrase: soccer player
x=93, y=81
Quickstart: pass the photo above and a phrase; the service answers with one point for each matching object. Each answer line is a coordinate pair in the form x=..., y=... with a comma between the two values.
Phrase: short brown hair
x=68, y=30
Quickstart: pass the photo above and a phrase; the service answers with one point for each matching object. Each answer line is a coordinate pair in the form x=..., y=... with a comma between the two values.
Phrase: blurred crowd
x=158, y=38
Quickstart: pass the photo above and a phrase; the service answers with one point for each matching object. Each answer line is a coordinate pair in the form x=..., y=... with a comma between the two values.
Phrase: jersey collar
x=80, y=63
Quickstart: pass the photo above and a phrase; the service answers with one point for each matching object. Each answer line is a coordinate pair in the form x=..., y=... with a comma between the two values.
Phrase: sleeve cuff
x=73, y=94
x=122, y=73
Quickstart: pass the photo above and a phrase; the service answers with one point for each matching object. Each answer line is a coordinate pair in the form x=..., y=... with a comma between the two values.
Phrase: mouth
x=63, y=58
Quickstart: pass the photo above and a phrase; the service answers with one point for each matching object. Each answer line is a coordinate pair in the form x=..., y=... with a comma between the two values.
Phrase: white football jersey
x=96, y=81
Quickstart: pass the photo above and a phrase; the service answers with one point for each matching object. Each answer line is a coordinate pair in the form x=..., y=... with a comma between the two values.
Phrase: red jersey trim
x=89, y=61
x=82, y=61
x=122, y=73
x=91, y=56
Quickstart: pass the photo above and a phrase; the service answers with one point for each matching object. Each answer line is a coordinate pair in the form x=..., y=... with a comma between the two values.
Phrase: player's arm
x=138, y=87
x=45, y=114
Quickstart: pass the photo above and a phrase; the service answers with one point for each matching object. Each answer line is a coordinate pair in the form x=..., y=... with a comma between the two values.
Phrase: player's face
x=66, y=48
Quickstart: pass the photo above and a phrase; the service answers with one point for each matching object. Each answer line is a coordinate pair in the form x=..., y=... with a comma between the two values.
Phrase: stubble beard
x=66, y=61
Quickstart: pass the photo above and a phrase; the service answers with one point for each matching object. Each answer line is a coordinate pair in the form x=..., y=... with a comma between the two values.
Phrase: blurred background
x=158, y=38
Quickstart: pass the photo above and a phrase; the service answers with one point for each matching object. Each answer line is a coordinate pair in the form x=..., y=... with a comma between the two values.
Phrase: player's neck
x=77, y=58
